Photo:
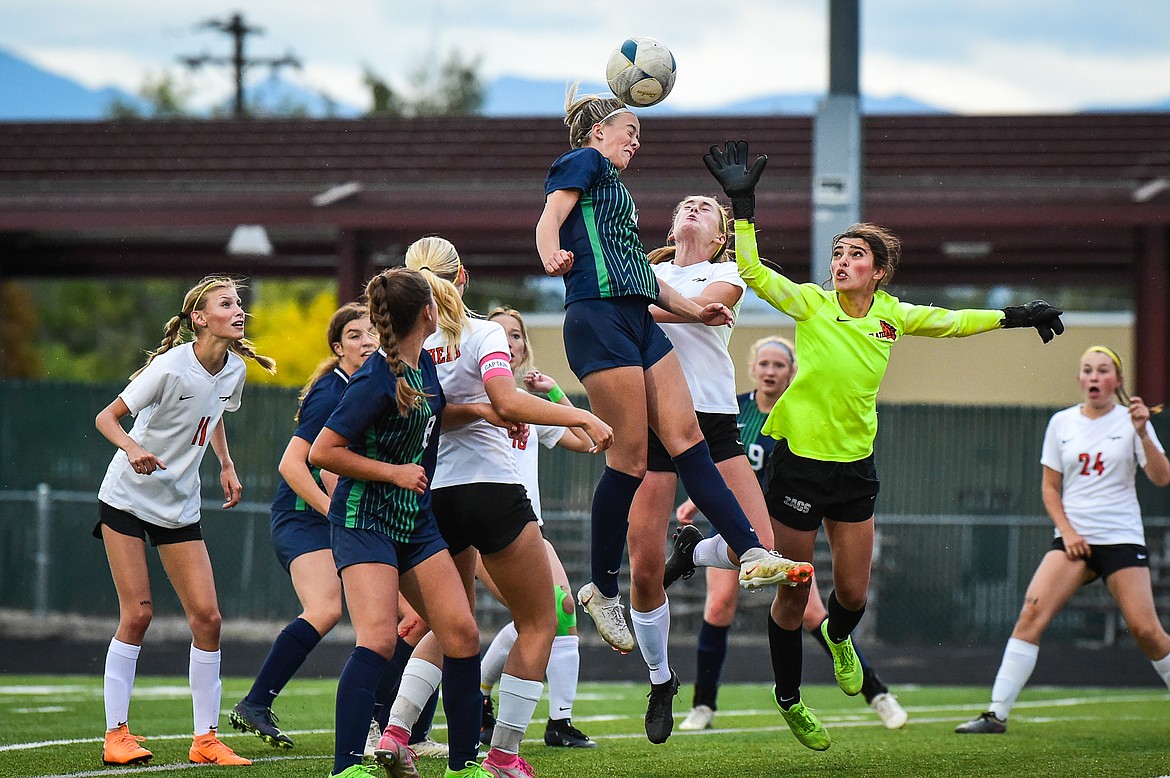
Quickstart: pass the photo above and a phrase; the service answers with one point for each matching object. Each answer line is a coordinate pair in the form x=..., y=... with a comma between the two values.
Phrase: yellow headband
x=1107, y=352
x=209, y=285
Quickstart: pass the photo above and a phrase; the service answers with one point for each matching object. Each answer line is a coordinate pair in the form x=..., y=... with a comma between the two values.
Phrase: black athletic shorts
x=722, y=437
x=486, y=516
x=1106, y=560
x=801, y=491
x=128, y=524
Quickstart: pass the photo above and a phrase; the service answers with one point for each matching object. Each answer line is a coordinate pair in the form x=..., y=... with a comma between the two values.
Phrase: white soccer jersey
x=478, y=452
x=706, y=364
x=1097, y=459
x=528, y=459
x=176, y=404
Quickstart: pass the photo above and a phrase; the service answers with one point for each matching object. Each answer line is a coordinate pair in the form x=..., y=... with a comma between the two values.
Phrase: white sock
x=713, y=552
x=1019, y=659
x=653, y=630
x=564, y=667
x=121, y=664
x=1161, y=667
x=518, y=698
x=492, y=666
x=206, y=689
x=420, y=678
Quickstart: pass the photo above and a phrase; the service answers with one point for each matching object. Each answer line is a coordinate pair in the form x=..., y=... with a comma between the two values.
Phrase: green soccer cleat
x=807, y=728
x=846, y=665
x=471, y=770
x=358, y=771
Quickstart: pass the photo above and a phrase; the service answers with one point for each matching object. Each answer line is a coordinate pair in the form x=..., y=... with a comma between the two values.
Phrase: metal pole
x=837, y=173
x=44, y=510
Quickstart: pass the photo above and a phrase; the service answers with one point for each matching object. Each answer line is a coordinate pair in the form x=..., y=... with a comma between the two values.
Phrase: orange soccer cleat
x=122, y=748
x=208, y=749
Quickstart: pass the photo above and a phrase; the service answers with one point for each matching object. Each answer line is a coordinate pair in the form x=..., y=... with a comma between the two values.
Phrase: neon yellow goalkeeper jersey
x=830, y=410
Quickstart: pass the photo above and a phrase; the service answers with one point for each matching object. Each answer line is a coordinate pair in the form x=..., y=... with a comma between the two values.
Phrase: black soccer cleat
x=681, y=562
x=560, y=733
x=261, y=721
x=660, y=709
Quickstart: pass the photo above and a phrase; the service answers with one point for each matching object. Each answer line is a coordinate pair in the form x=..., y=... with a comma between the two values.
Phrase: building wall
x=998, y=368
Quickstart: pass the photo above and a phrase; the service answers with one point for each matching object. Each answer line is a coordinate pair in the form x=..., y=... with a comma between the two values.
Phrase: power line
x=239, y=30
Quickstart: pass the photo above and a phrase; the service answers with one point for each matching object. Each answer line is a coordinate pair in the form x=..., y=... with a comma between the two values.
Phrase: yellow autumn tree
x=292, y=332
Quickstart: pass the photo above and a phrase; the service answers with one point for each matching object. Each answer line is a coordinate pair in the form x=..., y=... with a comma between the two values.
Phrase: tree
x=164, y=96
x=451, y=87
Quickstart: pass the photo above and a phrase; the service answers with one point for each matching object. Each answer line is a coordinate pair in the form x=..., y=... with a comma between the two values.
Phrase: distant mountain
x=28, y=93
x=514, y=96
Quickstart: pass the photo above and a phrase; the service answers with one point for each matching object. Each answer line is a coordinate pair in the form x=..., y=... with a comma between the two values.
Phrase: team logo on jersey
x=443, y=354
x=887, y=332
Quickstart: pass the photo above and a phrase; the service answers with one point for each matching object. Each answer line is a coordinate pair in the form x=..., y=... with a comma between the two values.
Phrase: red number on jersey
x=200, y=436
x=1088, y=464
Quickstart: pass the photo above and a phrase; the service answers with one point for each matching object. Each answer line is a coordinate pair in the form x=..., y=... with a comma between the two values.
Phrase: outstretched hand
x=730, y=168
x=1043, y=317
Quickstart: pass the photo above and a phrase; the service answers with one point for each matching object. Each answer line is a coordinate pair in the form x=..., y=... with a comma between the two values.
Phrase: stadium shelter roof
x=977, y=199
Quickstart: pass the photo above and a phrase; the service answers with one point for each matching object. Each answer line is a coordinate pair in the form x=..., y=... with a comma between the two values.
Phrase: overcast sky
x=978, y=57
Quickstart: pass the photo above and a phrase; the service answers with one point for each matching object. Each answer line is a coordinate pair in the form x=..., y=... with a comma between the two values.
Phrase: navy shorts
x=128, y=524
x=615, y=332
x=295, y=533
x=720, y=432
x=801, y=491
x=358, y=546
x=487, y=516
x=1106, y=560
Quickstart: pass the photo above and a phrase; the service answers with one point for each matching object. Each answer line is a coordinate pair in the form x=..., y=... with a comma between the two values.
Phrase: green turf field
x=51, y=726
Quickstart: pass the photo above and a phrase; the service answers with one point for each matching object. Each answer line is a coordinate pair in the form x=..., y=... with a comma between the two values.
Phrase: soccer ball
x=640, y=72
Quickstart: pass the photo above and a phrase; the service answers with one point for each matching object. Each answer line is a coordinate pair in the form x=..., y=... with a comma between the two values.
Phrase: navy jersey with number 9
x=750, y=421
x=368, y=418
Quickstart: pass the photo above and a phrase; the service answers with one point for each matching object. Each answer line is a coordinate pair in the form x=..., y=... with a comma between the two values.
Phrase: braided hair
x=396, y=296
x=180, y=323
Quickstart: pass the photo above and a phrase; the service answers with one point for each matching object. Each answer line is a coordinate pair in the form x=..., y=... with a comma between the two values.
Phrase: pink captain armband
x=493, y=365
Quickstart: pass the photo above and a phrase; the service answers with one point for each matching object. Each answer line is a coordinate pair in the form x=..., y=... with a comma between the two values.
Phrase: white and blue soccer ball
x=640, y=72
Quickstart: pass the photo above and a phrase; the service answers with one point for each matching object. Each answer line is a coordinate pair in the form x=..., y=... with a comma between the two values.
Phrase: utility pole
x=239, y=30
x=837, y=141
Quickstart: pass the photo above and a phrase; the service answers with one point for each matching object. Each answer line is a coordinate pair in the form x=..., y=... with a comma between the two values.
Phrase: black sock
x=712, y=650
x=787, y=662
x=842, y=622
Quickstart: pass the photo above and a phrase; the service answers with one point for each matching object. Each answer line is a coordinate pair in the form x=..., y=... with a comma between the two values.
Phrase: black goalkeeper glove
x=731, y=170
x=1039, y=314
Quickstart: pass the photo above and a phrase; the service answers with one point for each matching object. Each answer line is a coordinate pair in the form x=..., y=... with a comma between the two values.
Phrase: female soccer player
x=151, y=488
x=771, y=365
x=822, y=469
x=300, y=531
x=1091, y=454
x=587, y=233
x=695, y=263
x=382, y=441
x=564, y=660
x=481, y=506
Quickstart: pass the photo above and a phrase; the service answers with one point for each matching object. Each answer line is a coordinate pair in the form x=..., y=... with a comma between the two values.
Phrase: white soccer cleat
x=430, y=747
x=608, y=616
x=372, y=738
x=889, y=710
x=760, y=567
x=700, y=717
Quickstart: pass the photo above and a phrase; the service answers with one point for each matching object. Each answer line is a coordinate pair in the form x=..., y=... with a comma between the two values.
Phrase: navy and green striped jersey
x=322, y=398
x=601, y=230
x=750, y=421
x=368, y=418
